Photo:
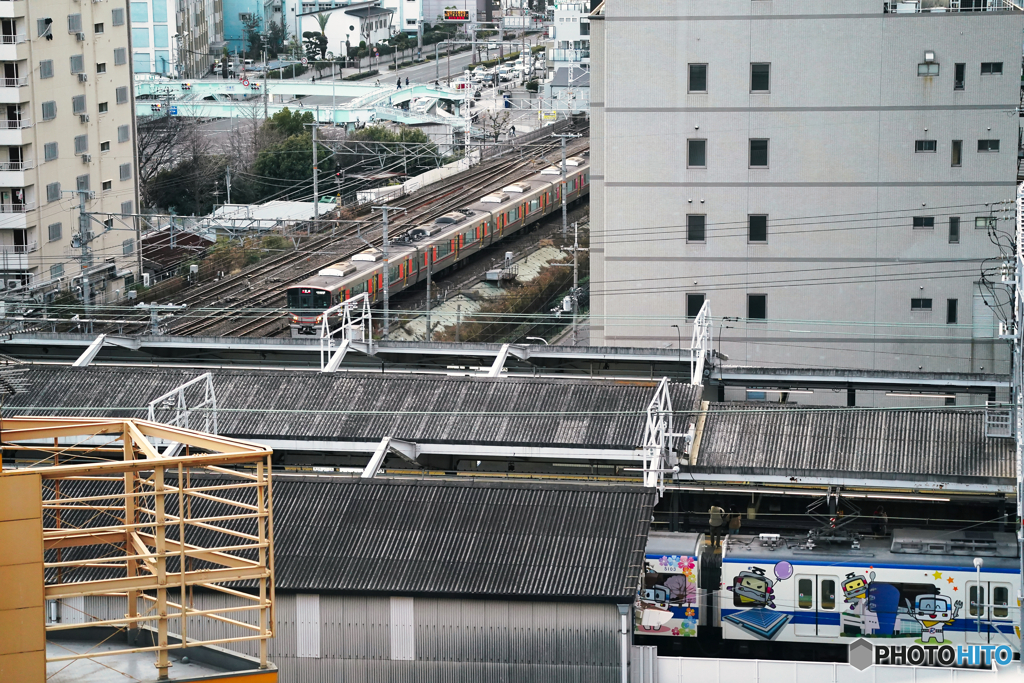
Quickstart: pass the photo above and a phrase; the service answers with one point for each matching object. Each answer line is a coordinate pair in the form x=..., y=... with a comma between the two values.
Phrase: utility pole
x=228, y=183
x=576, y=248
x=430, y=265
x=316, y=174
x=387, y=268
x=266, y=81
x=564, y=136
x=81, y=241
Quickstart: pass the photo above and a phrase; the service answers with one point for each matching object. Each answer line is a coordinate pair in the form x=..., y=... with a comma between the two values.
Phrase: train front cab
x=668, y=597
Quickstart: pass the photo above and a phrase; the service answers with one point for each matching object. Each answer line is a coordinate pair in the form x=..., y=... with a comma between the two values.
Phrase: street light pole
x=679, y=342
x=387, y=269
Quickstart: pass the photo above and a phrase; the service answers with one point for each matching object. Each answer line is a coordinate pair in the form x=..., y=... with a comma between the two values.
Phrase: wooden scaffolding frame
x=127, y=541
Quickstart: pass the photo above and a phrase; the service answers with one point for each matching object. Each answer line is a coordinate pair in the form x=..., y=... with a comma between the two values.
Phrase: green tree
x=275, y=38
x=315, y=44
x=289, y=123
x=409, y=150
x=253, y=36
x=292, y=161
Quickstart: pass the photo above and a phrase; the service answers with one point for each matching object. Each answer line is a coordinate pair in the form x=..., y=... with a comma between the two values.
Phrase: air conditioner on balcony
x=82, y=78
x=14, y=284
x=84, y=118
x=80, y=37
x=86, y=158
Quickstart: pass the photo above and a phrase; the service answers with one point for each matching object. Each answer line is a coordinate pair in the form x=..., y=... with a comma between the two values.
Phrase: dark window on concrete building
x=758, y=153
x=988, y=145
x=696, y=153
x=760, y=77
x=924, y=222
x=757, y=228
x=757, y=306
x=920, y=304
x=694, y=302
x=698, y=78
x=956, y=155
x=695, y=227
x=951, y=311
x=991, y=68
x=954, y=230
x=959, y=76
x=926, y=146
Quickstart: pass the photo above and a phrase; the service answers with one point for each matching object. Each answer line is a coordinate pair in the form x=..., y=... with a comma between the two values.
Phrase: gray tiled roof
x=467, y=538
x=368, y=407
x=803, y=439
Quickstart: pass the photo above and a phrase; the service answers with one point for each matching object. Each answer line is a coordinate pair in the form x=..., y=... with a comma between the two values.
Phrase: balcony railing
x=14, y=124
x=24, y=207
x=917, y=6
x=16, y=165
x=11, y=39
x=14, y=82
x=563, y=55
x=18, y=248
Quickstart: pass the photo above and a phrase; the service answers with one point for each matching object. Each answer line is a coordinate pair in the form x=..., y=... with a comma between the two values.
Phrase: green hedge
x=361, y=75
x=276, y=73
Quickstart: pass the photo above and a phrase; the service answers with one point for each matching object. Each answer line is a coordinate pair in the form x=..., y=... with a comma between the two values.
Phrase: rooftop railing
x=919, y=6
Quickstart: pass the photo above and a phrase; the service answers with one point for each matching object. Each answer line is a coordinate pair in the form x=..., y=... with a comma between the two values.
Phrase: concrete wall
x=846, y=105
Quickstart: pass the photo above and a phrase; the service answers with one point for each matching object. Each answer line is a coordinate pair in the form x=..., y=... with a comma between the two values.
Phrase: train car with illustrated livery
x=436, y=246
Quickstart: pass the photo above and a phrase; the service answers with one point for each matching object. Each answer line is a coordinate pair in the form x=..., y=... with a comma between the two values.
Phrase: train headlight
x=295, y=318
x=319, y=318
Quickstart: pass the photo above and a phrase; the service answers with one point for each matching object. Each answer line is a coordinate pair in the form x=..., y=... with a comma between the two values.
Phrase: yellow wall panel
x=22, y=630
x=22, y=586
x=26, y=667
x=21, y=541
x=21, y=497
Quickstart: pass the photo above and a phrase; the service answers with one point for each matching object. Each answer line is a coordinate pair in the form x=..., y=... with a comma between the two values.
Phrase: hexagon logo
x=862, y=654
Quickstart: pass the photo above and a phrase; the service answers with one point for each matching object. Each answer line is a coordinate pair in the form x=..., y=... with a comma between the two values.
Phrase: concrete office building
x=153, y=37
x=201, y=35
x=822, y=173
x=66, y=127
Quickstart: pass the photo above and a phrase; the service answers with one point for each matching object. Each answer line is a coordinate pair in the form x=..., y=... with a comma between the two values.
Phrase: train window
x=534, y=205
x=304, y=298
x=805, y=594
x=976, y=597
x=1000, y=601
x=828, y=594
x=757, y=228
x=695, y=227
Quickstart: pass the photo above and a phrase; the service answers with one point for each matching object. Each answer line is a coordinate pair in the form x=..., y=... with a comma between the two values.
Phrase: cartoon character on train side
x=877, y=608
x=666, y=601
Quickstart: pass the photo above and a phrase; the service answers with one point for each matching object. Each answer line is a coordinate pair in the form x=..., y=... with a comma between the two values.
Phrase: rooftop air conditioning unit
x=82, y=78
x=84, y=118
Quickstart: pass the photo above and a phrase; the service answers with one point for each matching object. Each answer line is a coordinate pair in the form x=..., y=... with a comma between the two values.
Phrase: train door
x=816, y=611
x=988, y=612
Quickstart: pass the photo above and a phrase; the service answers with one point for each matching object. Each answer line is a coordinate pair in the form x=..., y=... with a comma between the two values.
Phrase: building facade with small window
x=200, y=24
x=66, y=133
x=154, y=37
x=815, y=171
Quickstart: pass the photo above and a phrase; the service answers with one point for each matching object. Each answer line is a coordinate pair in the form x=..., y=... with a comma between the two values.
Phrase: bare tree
x=157, y=139
x=495, y=123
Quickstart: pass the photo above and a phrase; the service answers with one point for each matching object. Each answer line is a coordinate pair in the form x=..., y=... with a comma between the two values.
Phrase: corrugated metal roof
x=466, y=538
x=422, y=408
x=933, y=443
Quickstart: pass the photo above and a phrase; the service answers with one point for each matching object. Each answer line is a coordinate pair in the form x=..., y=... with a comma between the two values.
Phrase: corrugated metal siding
x=456, y=640
x=921, y=442
x=309, y=399
x=403, y=629
x=307, y=627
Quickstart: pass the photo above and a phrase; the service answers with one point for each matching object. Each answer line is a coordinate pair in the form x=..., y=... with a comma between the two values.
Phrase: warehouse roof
x=467, y=538
x=761, y=438
x=358, y=407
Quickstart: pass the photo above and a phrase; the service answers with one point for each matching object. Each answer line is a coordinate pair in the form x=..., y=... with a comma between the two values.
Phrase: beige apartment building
x=67, y=142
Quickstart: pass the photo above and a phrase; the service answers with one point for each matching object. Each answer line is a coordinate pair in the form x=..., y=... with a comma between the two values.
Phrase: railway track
x=247, y=292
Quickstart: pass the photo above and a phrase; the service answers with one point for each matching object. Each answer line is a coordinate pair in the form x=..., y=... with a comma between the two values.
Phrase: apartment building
x=154, y=35
x=200, y=25
x=66, y=143
x=827, y=175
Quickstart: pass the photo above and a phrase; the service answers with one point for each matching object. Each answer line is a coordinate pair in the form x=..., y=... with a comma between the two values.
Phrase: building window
x=757, y=306
x=757, y=228
x=956, y=155
x=123, y=133
x=695, y=227
x=984, y=221
x=988, y=145
x=97, y=28
x=926, y=146
x=49, y=151
x=126, y=208
x=117, y=16
x=77, y=64
x=53, y=232
x=101, y=68
x=49, y=110
x=920, y=304
x=128, y=247
x=74, y=23
x=122, y=95
x=954, y=230
x=126, y=171
x=991, y=68
x=951, y=311
x=103, y=107
x=46, y=68
x=108, y=185
x=105, y=146
x=760, y=77
x=924, y=222
x=698, y=78
x=928, y=69
x=120, y=56
x=43, y=26
x=81, y=144
x=53, y=192
x=694, y=302
x=56, y=271
x=78, y=104
x=758, y=153
x=696, y=153
x=82, y=182
x=959, y=76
